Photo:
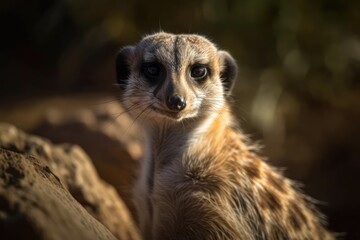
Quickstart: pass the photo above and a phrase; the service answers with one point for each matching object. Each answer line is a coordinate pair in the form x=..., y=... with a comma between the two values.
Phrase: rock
x=36, y=162
x=110, y=137
x=35, y=205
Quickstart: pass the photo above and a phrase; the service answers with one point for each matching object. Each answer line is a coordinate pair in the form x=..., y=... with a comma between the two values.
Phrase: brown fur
x=200, y=178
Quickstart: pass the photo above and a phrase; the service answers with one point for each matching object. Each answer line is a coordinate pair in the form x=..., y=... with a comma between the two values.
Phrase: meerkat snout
x=174, y=102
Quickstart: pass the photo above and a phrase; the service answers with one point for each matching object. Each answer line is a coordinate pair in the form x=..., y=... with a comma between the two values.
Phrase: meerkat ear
x=228, y=71
x=123, y=58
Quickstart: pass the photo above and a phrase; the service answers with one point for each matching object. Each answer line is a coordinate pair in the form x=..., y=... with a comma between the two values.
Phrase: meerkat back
x=200, y=178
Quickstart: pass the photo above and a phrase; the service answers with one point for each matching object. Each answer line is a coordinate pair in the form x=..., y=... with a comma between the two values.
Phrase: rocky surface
x=110, y=137
x=35, y=205
x=39, y=184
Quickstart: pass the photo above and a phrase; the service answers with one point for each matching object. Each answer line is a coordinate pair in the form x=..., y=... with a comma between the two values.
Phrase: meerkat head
x=171, y=77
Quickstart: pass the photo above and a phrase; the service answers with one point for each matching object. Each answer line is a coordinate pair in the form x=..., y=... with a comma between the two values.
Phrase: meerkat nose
x=174, y=102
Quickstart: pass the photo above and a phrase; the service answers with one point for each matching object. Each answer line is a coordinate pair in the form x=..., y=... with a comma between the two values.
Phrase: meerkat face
x=171, y=77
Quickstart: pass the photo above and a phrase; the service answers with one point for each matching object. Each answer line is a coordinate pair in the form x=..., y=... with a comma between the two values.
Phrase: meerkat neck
x=174, y=139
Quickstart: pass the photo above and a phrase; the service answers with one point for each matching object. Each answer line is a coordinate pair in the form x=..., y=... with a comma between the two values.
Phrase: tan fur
x=200, y=177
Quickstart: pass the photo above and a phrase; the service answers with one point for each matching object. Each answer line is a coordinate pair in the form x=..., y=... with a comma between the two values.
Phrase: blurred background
x=298, y=91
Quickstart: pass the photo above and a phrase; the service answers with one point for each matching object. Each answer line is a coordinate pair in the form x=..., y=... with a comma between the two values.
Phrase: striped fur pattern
x=200, y=177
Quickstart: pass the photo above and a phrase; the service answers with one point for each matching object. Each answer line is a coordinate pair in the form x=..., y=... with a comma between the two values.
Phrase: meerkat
x=200, y=177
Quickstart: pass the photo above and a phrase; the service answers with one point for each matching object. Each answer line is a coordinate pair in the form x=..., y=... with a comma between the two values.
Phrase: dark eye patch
x=199, y=72
x=152, y=70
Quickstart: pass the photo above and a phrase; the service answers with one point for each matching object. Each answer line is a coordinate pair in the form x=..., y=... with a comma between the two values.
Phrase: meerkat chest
x=182, y=172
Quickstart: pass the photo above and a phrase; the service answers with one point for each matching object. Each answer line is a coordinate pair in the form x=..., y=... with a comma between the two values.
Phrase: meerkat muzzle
x=174, y=102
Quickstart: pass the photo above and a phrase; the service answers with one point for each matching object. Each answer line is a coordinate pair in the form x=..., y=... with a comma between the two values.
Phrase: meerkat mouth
x=171, y=114
x=175, y=115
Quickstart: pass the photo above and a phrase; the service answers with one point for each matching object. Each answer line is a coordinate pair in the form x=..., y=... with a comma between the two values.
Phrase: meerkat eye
x=151, y=70
x=198, y=72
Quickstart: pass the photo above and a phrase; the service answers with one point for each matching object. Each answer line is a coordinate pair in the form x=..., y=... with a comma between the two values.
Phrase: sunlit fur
x=200, y=178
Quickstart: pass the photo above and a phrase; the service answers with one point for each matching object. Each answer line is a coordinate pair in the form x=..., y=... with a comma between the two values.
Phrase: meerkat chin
x=200, y=177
